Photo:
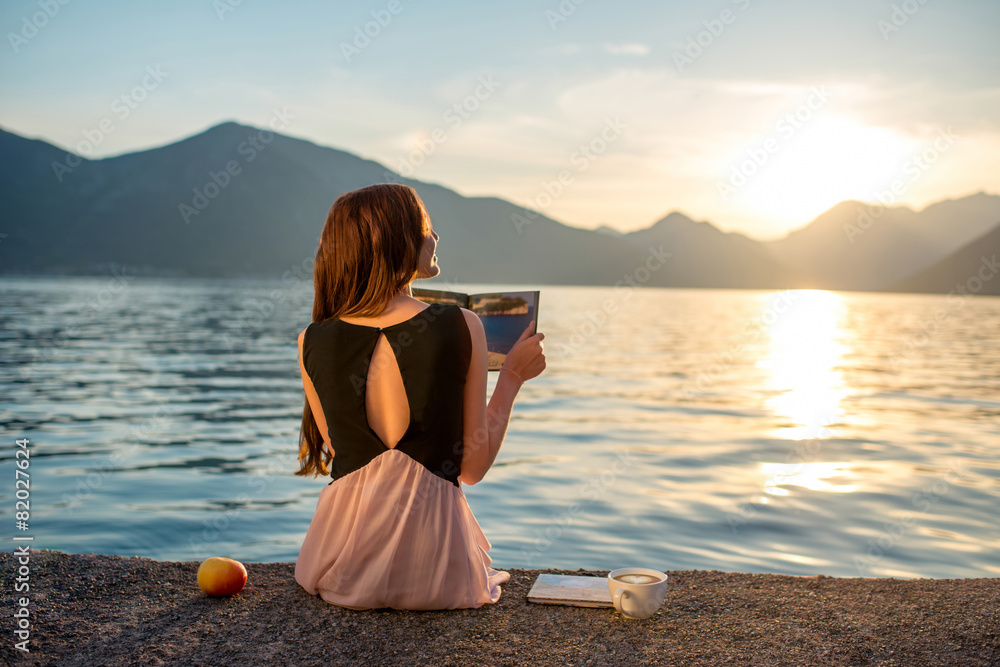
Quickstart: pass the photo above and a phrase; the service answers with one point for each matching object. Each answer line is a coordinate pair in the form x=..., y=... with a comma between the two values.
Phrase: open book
x=572, y=590
x=505, y=315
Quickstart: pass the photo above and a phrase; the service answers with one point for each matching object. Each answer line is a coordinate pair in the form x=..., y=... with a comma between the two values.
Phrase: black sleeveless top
x=432, y=349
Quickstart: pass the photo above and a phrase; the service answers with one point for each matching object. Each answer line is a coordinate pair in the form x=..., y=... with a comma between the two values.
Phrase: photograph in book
x=504, y=315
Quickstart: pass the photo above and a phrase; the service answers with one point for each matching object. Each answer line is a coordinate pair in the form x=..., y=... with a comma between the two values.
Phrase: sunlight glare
x=829, y=159
x=818, y=476
x=804, y=353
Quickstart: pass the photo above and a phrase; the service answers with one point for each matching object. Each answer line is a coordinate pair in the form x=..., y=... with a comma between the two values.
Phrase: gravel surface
x=113, y=610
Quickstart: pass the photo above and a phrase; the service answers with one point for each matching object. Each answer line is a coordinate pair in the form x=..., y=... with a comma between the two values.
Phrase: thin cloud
x=561, y=50
x=632, y=49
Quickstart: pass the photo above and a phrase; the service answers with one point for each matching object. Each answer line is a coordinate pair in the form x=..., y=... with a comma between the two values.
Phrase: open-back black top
x=432, y=350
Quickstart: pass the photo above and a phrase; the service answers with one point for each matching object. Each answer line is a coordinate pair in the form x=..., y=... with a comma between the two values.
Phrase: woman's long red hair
x=368, y=252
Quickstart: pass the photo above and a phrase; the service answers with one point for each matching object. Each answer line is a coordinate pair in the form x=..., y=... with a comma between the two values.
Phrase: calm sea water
x=797, y=432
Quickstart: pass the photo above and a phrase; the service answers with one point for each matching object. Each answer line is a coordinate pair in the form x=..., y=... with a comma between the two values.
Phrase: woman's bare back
x=386, y=405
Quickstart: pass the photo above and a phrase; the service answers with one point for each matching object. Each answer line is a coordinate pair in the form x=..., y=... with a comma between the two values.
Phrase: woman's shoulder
x=439, y=307
x=475, y=325
x=469, y=315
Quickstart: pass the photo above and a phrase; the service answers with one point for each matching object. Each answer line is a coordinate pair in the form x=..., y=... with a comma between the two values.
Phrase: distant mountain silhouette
x=225, y=203
x=856, y=246
x=704, y=256
x=972, y=269
x=176, y=209
x=610, y=231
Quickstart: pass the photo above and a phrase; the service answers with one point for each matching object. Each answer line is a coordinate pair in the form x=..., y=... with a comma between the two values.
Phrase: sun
x=827, y=159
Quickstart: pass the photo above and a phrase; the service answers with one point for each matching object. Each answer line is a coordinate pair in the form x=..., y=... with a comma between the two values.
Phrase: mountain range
x=237, y=200
x=972, y=269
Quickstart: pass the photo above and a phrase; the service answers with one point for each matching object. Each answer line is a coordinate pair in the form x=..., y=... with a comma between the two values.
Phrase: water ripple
x=738, y=430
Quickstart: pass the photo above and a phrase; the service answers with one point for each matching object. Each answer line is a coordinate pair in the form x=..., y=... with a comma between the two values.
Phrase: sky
x=757, y=115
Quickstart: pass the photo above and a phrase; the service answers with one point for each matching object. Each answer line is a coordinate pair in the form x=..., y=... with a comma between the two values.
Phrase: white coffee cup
x=637, y=592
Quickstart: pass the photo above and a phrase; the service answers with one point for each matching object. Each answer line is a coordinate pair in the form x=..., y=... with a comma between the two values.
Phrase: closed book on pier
x=571, y=590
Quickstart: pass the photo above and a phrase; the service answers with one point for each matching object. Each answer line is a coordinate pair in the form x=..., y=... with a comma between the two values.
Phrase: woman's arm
x=313, y=397
x=486, y=425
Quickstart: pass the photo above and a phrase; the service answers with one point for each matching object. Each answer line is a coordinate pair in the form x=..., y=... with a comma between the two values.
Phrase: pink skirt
x=394, y=534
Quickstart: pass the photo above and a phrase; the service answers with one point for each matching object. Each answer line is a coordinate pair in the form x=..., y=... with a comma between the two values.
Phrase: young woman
x=396, y=414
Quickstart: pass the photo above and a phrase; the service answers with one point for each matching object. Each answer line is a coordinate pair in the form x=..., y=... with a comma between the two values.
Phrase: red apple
x=221, y=576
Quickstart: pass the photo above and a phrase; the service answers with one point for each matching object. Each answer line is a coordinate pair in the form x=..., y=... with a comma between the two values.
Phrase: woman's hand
x=527, y=357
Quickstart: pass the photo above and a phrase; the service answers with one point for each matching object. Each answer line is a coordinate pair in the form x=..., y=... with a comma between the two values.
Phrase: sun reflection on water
x=831, y=476
x=805, y=350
